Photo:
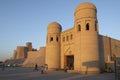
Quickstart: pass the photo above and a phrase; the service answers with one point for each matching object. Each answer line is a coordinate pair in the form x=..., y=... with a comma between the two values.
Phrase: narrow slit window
x=79, y=27
x=87, y=26
x=67, y=38
x=95, y=26
x=71, y=36
x=57, y=39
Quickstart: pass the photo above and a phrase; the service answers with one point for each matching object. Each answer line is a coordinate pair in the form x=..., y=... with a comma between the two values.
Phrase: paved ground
x=28, y=74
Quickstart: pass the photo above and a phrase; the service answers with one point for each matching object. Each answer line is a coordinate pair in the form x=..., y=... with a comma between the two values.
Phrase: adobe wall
x=14, y=54
x=108, y=47
x=21, y=52
x=35, y=57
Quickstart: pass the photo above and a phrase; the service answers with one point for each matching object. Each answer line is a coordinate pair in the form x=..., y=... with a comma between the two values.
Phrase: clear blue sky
x=27, y=20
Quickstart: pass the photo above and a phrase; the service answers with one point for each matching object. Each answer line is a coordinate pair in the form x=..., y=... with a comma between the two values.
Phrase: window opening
x=79, y=27
x=51, y=39
x=67, y=38
x=71, y=36
x=95, y=26
x=57, y=39
x=87, y=26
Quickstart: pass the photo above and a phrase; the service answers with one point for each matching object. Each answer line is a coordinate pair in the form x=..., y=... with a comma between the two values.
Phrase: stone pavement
x=29, y=74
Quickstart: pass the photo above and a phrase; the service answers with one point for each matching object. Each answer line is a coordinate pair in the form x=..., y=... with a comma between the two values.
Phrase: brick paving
x=29, y=74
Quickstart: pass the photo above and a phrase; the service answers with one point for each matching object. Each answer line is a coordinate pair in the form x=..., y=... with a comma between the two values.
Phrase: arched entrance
x=70, y=61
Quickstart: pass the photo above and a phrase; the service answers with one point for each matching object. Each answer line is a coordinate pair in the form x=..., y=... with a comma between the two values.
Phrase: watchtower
x=52, y=58
x=86, y=32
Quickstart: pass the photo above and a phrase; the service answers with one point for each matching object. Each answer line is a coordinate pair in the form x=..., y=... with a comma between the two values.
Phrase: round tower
x=53, y=46
x=86, y=32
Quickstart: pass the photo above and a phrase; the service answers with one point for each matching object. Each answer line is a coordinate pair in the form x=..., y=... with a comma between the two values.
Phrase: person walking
x=36, y=67
x=42, y=70
x=66, y=69
x=45, y=68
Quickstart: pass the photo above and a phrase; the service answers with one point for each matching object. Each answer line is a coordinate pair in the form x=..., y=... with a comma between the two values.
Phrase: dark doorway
x=70, y=62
